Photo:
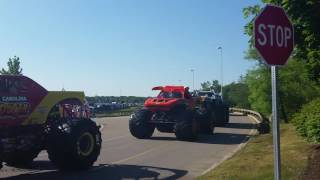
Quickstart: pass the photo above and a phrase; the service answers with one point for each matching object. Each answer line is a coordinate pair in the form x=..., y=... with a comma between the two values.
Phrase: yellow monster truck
x=34, y=119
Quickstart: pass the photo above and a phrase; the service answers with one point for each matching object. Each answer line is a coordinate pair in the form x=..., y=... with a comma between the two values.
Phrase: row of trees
x=117, y=99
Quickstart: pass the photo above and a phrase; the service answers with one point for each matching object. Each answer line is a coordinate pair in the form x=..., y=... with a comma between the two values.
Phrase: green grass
x=117, y=113
x=255, y=160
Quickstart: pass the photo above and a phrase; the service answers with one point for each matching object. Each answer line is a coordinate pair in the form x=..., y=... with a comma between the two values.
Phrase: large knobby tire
x=74, y=145
x=139, y=126
x=221, y=115
x=206, y=126
x=165, y=128
x=186, y=127
x=22, y=158
x=227, y=114
x=206, y=121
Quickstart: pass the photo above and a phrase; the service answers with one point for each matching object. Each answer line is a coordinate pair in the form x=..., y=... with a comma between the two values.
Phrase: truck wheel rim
x=85, y=144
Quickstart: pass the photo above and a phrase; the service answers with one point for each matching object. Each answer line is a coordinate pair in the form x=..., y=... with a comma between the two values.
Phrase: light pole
x=221, y=71
x=192, y=70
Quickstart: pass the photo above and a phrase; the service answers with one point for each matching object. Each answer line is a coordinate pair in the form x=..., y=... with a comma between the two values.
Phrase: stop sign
x=273, y=35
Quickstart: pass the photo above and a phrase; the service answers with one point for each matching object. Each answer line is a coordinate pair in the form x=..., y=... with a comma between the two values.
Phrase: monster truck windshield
x=165, y=94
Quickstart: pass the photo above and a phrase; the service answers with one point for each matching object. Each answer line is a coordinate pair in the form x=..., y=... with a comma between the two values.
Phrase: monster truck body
x=221, y=109
x=34, y=119
x=174, y=110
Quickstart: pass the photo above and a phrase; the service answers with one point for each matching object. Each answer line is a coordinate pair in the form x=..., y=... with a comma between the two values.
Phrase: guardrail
x=262, y=123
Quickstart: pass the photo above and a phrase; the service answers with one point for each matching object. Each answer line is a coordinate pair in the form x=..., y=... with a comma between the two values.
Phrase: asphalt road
x=162, y=157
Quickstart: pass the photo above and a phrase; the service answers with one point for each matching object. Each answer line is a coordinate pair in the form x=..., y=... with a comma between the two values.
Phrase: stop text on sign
x=273, y=35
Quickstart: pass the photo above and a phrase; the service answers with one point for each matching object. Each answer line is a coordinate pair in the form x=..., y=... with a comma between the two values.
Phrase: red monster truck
x=34, y=119
x=174, y=110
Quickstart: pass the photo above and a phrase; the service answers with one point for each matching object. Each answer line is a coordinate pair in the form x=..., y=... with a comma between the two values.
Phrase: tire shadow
x=223, y=138
x=110, y=172
x=36, y=165
x=231, y=114
x=240, y=126
x=215, y=138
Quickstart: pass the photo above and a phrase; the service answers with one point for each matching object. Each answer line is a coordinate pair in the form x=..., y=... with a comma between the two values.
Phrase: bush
x=307, y=121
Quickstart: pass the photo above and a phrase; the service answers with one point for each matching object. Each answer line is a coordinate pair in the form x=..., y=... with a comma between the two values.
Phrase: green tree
x=213, y=85
x=295, y=88
x=258, y=82
x=236, y=95
x=13, y=67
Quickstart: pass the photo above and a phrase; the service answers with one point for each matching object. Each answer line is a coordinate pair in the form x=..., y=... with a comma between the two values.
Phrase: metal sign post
x=275, y=124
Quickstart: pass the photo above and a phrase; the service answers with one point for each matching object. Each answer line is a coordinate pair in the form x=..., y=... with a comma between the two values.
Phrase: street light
x=221, y=71
x=192, y=70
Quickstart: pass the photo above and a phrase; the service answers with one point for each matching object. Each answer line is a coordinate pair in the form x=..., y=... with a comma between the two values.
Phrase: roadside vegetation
x=307, y=121
x=255, y=160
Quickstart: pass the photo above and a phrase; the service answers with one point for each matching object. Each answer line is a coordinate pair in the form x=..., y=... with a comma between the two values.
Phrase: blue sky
x=124, y=46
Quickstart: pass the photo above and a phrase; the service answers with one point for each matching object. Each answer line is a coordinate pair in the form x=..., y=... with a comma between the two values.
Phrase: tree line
x=118, y=99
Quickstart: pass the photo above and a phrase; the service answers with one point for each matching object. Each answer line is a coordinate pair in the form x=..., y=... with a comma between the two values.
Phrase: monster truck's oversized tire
x=206, y=126
x=77, y=148
x=166, y=128
x=22, y=158
x=221, y=116
x=206, y=121
x=139, y=126
x=186, y=128
x=227, y=114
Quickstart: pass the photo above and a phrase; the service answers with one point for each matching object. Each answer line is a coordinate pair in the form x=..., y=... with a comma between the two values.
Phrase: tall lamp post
x=192, y=70
x=221, y=71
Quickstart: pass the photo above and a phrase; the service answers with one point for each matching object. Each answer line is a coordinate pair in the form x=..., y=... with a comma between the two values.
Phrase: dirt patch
x=313, y=169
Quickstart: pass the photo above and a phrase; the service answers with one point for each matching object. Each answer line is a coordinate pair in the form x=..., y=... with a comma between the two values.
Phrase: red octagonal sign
x=273, y=35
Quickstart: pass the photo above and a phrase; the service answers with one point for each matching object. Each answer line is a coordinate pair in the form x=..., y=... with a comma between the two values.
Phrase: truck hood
x=165, y=103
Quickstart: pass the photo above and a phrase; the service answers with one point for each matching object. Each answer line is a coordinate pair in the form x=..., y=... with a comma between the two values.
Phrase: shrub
x=307, y=121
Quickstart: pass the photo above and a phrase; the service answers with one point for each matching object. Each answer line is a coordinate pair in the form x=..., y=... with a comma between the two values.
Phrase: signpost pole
x=275, y=125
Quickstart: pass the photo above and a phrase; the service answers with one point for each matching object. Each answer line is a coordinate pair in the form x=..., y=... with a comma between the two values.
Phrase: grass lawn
x=255, y=160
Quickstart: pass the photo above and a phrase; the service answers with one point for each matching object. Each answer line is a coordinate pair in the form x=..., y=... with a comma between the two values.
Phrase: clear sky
x=113, y=47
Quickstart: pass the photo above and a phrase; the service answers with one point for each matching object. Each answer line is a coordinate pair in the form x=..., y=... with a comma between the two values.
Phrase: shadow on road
x=110, y=172
x=223, y=138
x=237, y=115
x=241, y=126
x=216, y=138
x=163, y=138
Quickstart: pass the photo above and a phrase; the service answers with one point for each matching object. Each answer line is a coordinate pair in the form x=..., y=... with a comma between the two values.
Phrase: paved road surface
x=162, y=157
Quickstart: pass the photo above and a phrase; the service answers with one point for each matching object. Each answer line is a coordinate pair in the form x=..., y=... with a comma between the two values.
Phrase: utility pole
x=221, y=71
x=192, y=70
